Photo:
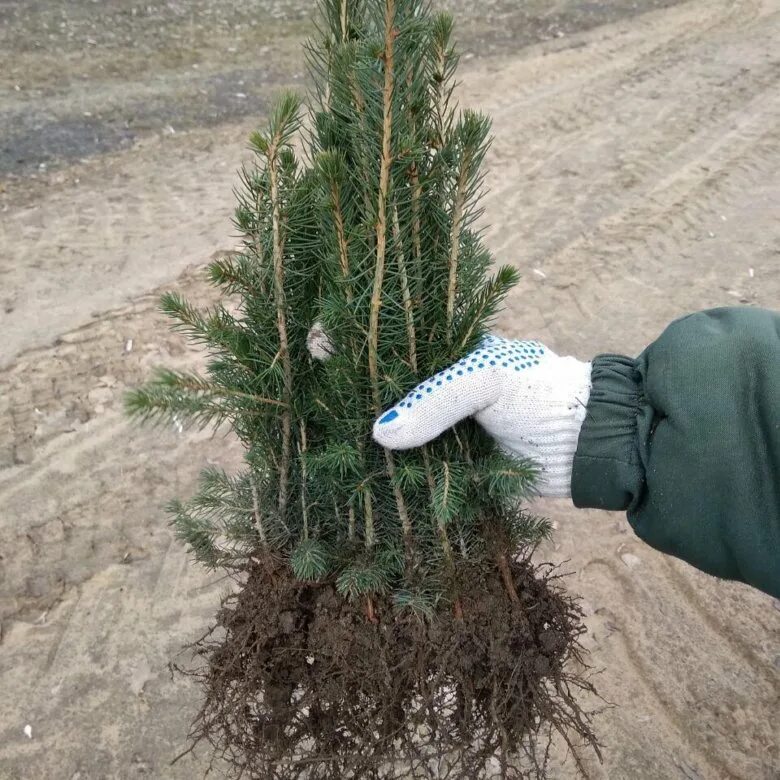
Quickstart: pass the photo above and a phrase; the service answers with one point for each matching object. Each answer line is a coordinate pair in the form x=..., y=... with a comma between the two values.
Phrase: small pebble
x=630, y=560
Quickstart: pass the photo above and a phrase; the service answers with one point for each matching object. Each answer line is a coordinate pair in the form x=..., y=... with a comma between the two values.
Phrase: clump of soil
x=300, y=684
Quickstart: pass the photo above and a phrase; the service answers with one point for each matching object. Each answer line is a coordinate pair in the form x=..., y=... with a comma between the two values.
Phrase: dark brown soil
x=299, y=683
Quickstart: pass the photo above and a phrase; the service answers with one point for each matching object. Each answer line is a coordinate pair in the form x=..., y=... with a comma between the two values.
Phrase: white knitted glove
x=529, y=399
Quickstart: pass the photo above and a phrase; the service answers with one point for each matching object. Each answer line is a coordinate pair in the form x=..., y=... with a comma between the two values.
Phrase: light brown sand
x=634, y=178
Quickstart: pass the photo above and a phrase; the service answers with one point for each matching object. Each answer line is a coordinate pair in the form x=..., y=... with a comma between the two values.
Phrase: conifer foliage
x=367, y=237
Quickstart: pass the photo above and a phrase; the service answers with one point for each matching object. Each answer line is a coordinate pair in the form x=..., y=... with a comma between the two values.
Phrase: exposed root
x=506, y=577
x=300, y=684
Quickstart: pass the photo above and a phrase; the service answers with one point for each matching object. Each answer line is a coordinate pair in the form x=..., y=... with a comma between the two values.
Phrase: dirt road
x=635, y=176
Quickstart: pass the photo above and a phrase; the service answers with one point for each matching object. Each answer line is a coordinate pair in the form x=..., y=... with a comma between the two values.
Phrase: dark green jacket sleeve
x=686, y=438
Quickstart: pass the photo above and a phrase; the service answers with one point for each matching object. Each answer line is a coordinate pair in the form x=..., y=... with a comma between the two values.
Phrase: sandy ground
x=635, y=177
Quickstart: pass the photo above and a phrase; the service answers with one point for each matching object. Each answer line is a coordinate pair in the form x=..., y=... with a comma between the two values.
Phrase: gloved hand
x=529, y=399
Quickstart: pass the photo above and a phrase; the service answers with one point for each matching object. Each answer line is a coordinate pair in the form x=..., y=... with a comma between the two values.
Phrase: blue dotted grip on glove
x=493, y=351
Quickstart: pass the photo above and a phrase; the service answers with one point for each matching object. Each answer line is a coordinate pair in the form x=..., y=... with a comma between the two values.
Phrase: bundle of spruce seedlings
x=387, y=620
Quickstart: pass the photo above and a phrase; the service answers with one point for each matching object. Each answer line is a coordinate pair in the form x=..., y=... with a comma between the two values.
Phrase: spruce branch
x=471, y=133
x=309, y=560
x=484, y=305
x=447, y=499
x=283, y=125
x=455, y=231
x=351, y=522
x=368, y=514
x=332, y=167
x=338, y=460
x=302, y=457
x=343, y=19
x=444, y=63
x=409, y=475
x=197, y=534
x=258, y=518
x=236, y=274
x=403, y=513
x=179, y=397
x=360, y=106
x=361, y=579
x=413, y=174
x=187, y=316
x=381, y=239
x=414, y=177
x=407, y=298
x=384, y=183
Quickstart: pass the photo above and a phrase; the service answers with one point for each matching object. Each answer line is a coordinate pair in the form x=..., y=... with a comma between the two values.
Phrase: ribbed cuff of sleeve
x=607, y=472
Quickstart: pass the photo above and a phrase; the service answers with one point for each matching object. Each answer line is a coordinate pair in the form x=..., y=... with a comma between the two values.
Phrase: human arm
x=685, y=438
